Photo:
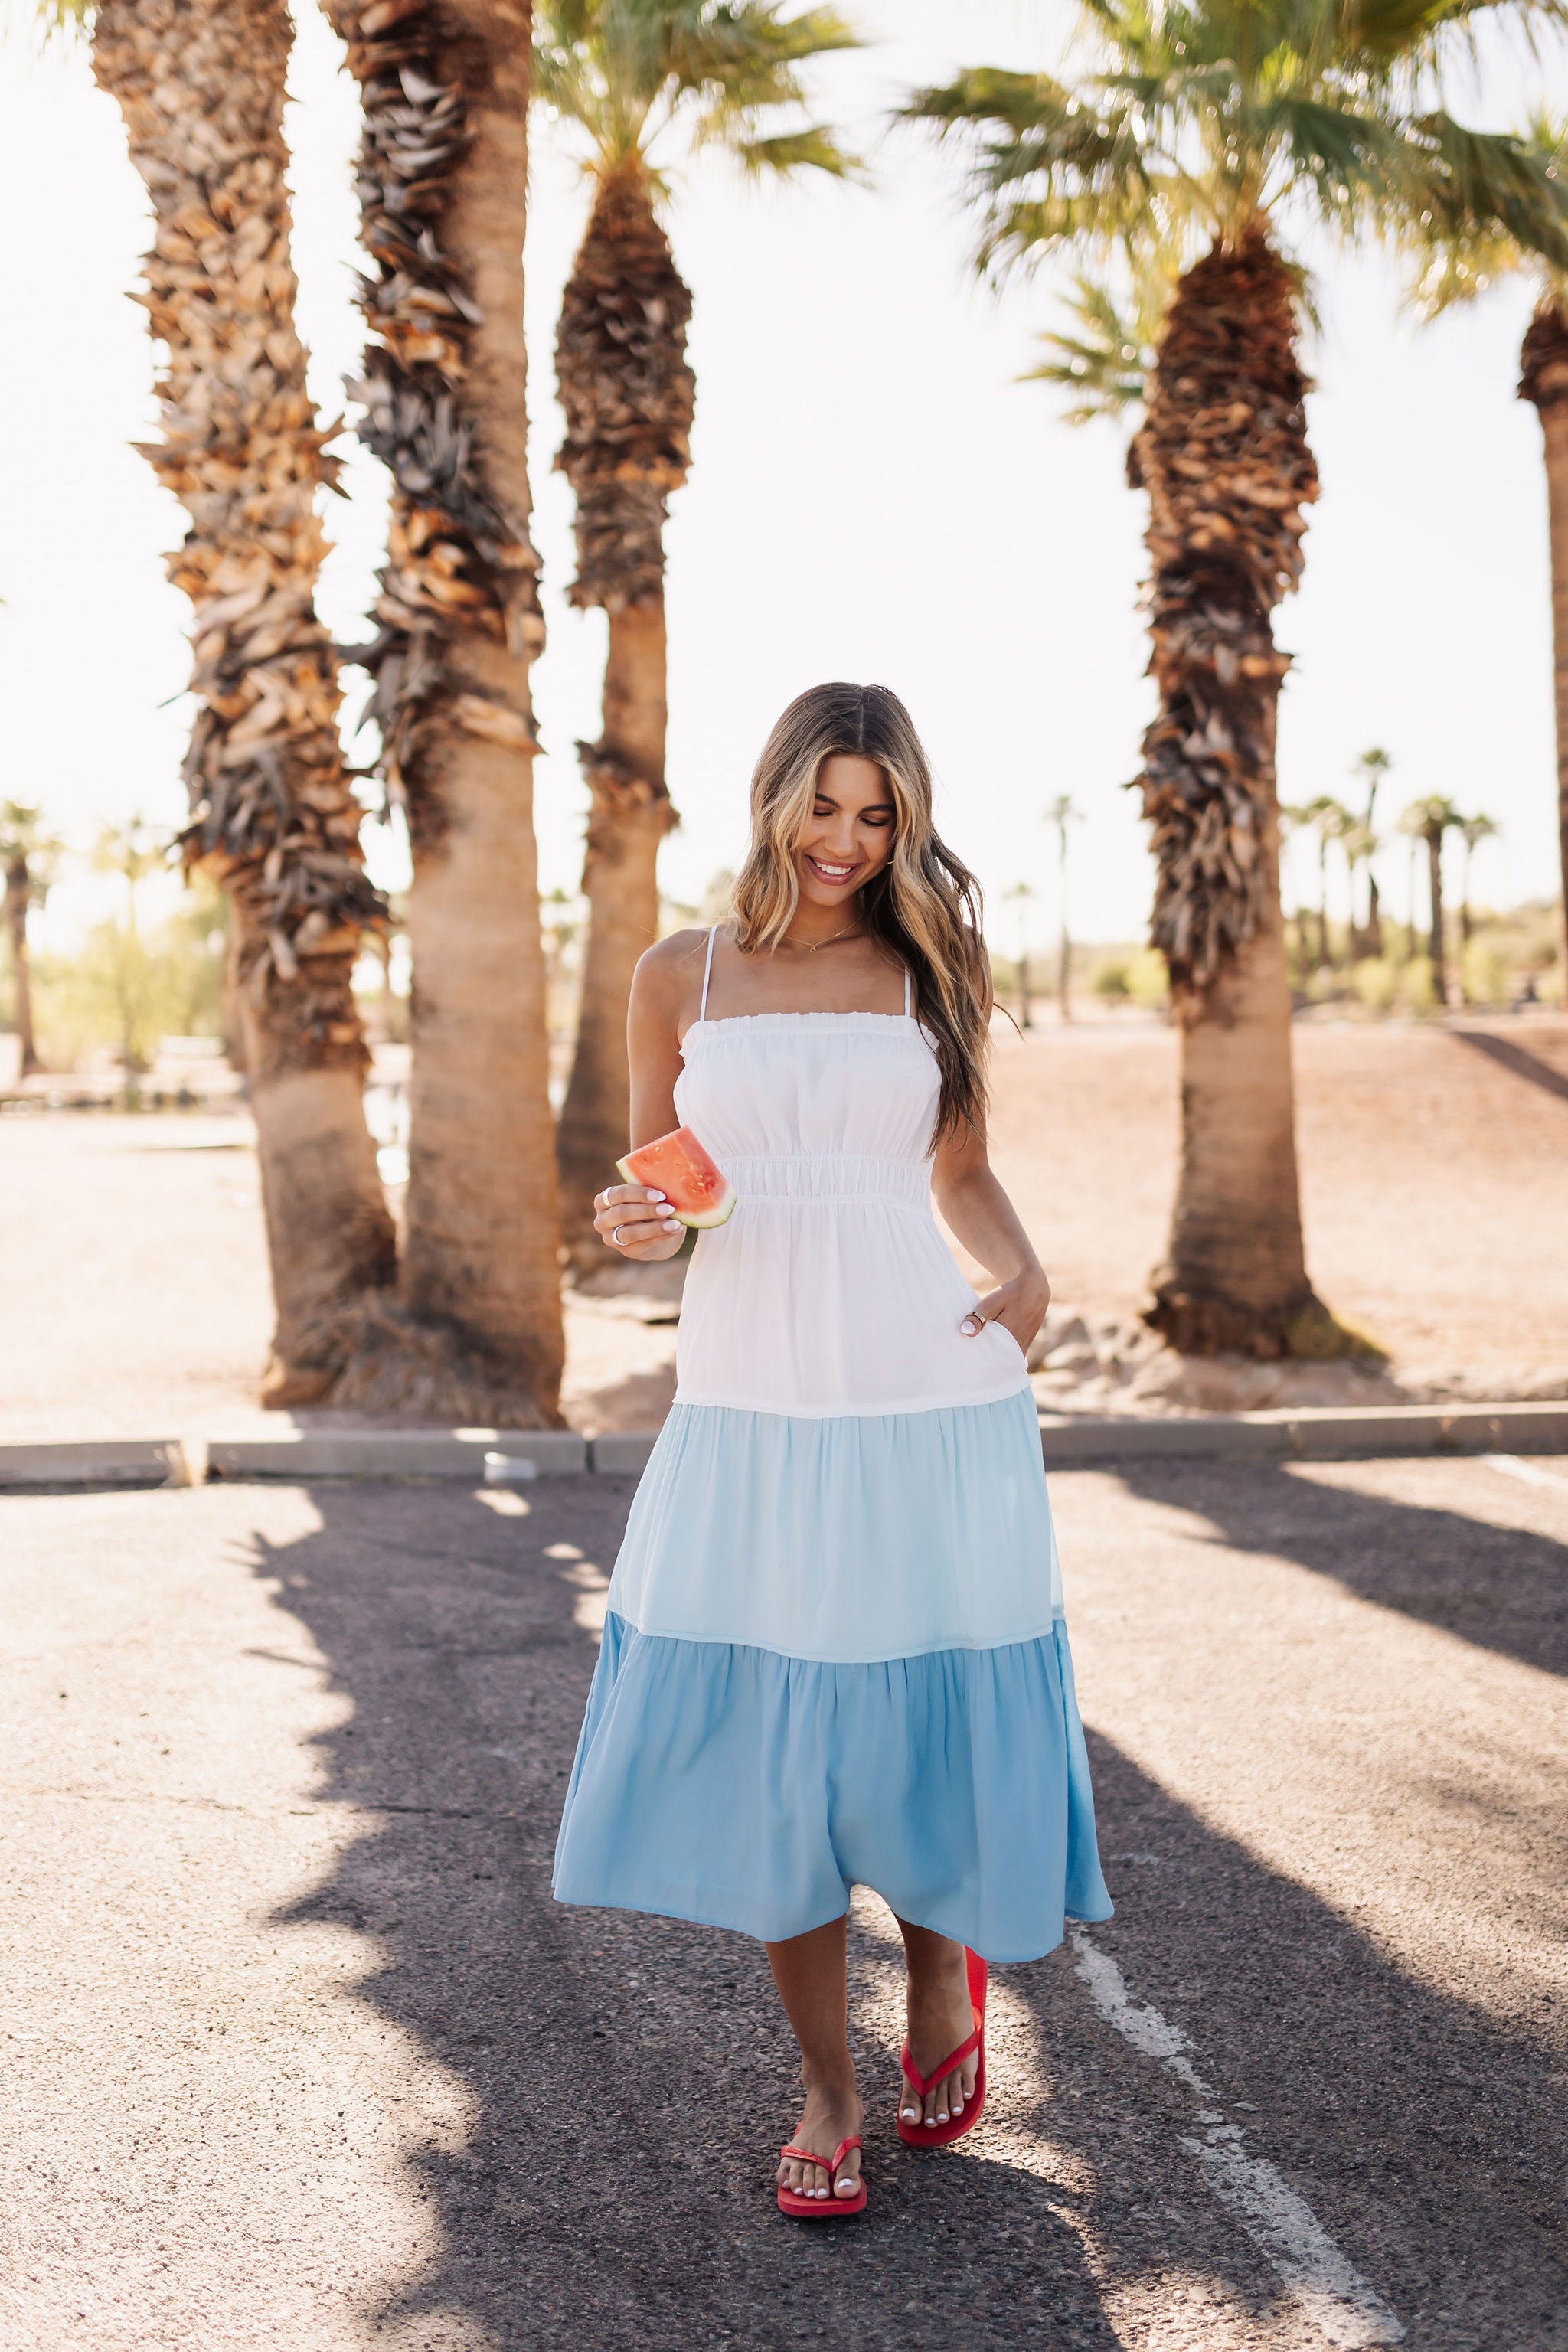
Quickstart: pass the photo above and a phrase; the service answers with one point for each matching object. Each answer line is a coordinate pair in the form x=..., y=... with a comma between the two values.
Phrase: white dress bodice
x=830, y=1290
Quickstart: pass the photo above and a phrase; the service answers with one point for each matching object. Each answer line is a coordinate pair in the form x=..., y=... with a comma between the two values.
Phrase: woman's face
x=848, y=835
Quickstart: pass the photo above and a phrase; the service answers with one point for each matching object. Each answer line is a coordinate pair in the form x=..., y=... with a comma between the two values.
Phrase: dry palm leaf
x=456, y=560
x=1223, y=454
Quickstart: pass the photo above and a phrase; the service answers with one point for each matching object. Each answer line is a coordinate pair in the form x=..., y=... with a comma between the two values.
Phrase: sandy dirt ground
x=300, y=2051
x=134, y=1281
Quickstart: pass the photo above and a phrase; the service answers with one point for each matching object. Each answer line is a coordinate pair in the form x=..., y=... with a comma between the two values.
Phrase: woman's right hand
x=636, y=1223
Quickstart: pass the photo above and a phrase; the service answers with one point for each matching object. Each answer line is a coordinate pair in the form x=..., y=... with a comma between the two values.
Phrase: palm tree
x=133, y=849
x=1473, y=831
x=200, y=84
x=1210, y=132
x=1061, y=813
x=27, y=854
x=1330, y=821
x=635, y=80
x=1359, y=845
x=1461, y=264
x=1427, y=821
x=1373, y=766
x=476, y=1333
x=1022, y=895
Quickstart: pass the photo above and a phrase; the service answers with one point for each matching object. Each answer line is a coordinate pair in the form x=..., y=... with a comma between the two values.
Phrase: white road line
x=1525, y=1471
x=1330, y=2289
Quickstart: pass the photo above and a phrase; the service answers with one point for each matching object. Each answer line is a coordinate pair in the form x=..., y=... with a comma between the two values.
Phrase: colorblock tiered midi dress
x=834, y=1649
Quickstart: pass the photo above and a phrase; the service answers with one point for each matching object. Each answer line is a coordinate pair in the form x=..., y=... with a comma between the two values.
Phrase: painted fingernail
x=969, y=1327
x=658, y=1196
x=672, y=1224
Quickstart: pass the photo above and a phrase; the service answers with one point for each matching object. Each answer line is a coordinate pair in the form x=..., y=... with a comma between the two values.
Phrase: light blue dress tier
x=833, y=1650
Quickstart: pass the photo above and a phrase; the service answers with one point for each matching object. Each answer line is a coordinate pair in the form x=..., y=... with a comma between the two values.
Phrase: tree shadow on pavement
x=1503, y=1587
x=1427, y=2134
x=627, y=2080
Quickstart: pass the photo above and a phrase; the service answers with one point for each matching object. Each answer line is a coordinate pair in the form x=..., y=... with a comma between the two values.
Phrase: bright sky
x=873, y=495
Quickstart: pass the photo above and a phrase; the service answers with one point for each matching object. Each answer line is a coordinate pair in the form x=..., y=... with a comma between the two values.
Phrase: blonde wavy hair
x=922, y=902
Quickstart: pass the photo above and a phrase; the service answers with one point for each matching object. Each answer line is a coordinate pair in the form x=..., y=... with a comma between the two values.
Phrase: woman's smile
x=830, y=874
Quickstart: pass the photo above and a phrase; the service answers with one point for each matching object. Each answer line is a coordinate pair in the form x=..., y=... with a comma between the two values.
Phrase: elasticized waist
x=829, y=1176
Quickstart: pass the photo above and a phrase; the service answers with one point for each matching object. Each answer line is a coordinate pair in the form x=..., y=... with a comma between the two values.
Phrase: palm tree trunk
x=1543, y=381
x=1439, y=943
x=1373, y=916
x=18, y=897
x=1325, y=959
x=442, y=181
x=1223, y=454
x=628, y=396
x=200, y=84
x=629, y=815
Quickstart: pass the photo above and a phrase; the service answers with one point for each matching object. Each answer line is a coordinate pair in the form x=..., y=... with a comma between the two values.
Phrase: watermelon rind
x=700, y=1220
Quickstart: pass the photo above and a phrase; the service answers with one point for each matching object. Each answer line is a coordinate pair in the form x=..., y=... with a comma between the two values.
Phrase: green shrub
x=1376, y=983
x=1416, y=992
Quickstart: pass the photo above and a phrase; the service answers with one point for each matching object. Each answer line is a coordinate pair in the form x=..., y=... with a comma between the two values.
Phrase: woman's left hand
x=1019, y=1306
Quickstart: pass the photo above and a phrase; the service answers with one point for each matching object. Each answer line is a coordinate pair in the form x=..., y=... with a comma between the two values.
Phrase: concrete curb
x=393, y=1453
x=99, y=1462
x=1308, y=1434
x=1320, y=1435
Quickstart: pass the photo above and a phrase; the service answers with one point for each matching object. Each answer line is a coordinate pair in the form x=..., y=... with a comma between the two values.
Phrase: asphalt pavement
x=300, y=2053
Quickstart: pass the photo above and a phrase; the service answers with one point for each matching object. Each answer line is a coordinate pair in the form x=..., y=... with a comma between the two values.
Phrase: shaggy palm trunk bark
x=1223, y=454
x=628, y=396
x=1543, y=381
x=200, y=84
x=442, y=181
x=18, y=899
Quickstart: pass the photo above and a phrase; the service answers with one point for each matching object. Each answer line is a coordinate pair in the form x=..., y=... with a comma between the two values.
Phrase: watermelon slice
x=699, y=1193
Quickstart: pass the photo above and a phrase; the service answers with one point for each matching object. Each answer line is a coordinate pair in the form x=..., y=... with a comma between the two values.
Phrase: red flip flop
x=831, y=2208
x=941, y=2135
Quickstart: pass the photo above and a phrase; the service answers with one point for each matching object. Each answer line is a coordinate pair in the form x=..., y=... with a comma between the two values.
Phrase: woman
x=833, y=1652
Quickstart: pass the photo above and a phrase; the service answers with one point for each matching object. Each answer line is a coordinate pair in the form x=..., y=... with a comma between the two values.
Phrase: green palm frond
x=792, y=151
x=1104, y=358
x=1204, y=118
x=625, y=71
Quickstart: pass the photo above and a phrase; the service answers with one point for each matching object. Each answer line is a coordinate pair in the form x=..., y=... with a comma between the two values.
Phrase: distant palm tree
x=1331, y=822
x=29, y=852
x=1427, y=821
x=132, y=848
x=1022, y=895
x=1358, y=843
x=639, y=81
x=1473, y=831
x=201, y=85
x=1460, y=264
x=1208, y=132
x=1373, y=766
x=1062, y=814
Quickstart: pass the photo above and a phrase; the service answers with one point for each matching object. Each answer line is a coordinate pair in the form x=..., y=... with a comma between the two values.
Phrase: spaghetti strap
x=707, y=973
x=907, y=1007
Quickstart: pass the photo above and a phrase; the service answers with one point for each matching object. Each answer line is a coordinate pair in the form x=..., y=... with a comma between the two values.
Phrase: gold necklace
x=811, y=946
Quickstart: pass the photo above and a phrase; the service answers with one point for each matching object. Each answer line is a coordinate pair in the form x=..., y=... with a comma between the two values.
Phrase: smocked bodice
x=830, y=1290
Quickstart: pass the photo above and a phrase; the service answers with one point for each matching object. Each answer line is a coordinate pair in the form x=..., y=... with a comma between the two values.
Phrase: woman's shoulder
x=665, y=971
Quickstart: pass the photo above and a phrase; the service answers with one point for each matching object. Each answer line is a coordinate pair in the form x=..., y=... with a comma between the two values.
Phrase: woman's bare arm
x=978, y=1212
x=664, y=992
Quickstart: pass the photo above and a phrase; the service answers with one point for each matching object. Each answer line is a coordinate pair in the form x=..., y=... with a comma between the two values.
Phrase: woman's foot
x=940, y=2016
x=830, y=2113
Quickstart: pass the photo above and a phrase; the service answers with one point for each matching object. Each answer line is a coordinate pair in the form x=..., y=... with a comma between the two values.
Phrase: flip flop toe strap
x=829, y=2164
x=926, y=2084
